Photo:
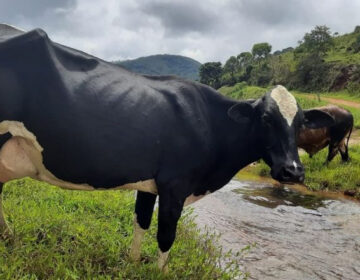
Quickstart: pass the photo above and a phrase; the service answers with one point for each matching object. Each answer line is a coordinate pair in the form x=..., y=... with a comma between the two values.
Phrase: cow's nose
x=292, y=173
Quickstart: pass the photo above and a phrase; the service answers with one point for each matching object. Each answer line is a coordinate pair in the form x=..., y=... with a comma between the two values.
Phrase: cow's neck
x=243, y=146
x=237, y=146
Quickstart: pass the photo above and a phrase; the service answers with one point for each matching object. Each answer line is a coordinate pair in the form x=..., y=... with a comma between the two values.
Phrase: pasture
x=61, y=234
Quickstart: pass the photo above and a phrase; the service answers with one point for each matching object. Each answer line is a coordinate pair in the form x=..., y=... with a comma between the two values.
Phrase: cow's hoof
x=134, y=256
x=163, y=262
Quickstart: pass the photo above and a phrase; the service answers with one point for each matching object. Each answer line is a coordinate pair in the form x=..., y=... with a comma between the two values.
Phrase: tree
x=356, y=44
x=210, y=74
x=261, y=50
x=230, y=68
x=244, y=59
x=280, y=70
x=231, y=65
x=319, y=40
x=312, y=73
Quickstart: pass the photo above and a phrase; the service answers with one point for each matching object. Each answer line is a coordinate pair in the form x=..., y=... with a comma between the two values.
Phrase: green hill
x=322, y=62
x=164, y=64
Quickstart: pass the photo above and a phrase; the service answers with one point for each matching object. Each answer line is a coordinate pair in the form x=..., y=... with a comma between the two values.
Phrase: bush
x=353, y=88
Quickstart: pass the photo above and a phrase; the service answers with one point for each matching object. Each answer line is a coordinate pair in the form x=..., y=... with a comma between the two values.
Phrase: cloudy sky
x=207, y=30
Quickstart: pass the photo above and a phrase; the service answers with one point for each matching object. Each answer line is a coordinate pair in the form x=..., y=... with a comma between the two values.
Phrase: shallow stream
x=297, y=235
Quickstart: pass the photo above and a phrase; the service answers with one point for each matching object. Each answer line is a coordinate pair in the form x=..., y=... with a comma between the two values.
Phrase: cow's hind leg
x=144, y=208
x=170, y=208
x=344, y=151
x=333, y=150
x=4, y=228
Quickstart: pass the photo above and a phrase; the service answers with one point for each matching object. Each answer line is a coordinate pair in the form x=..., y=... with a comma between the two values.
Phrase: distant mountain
x=164, y=64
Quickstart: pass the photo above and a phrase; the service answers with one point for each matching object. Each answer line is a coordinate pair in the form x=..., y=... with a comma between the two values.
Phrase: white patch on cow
x=163, y=260
x=21, y=156
x=295, y=164
x=286, y=103
x=193, y=198
x=139, y=233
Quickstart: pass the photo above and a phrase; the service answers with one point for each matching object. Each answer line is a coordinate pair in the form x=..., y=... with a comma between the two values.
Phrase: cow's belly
x=21, y=156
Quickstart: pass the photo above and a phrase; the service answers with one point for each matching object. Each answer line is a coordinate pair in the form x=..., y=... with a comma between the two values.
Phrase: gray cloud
x=208, y=30
x=34, y=8
x=181, y=17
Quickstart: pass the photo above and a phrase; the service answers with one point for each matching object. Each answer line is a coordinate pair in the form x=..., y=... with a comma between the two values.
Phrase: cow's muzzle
x=289, y=173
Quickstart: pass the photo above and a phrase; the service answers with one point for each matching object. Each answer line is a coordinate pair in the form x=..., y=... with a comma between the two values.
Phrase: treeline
x=312, y=66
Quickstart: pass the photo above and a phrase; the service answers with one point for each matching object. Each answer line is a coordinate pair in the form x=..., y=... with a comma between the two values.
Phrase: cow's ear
x=317, y=119
x=242, y=111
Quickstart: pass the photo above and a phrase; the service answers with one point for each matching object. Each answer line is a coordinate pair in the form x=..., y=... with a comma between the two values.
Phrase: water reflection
x=272, y=197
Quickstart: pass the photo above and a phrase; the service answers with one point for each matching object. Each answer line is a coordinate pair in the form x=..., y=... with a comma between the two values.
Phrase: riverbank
x=334, y=177
x=61, y=234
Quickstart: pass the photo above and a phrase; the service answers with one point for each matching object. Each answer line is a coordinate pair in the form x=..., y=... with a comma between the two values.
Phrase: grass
x=336, y=176
x=61, y=234
x=242, y=91
x=343, y=94
x=339, y=52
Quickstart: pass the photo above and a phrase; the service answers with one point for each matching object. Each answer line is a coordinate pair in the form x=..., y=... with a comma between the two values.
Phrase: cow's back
x=99, y=123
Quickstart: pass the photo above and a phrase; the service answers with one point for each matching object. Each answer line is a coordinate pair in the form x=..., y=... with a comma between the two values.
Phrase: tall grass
x=61, y=234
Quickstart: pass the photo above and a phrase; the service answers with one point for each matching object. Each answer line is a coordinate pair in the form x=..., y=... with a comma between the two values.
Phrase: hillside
x=164, y=64
x=322, y=62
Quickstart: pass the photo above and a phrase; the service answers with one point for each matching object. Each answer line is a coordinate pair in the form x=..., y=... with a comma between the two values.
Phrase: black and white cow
x=81, y=123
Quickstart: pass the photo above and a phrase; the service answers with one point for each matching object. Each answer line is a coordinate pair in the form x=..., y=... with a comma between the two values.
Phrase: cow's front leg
x=170, y=208
x=144, y=208
x=4, y=228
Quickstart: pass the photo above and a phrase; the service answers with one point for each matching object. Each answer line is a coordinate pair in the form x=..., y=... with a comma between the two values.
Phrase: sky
x=206, y=30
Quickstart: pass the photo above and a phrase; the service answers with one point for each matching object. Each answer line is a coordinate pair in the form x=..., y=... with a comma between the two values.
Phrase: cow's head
x=276, y=119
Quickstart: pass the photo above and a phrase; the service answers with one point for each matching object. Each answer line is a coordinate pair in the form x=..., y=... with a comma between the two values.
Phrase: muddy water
x=296, y=235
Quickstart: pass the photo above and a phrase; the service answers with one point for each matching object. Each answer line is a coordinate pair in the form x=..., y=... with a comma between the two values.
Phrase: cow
x=80, y=123
x=335, y=136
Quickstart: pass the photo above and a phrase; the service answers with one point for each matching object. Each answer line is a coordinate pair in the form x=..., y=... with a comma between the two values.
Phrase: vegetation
x=320, y=177
x=321, y=62
x=165, y=64
x=210, y=74
x=62, y=234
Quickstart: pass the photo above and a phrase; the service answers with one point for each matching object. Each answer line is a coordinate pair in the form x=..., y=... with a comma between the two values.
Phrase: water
x=297, y=235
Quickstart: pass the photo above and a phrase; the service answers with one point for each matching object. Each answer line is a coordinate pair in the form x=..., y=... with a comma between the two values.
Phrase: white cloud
x=208, y=30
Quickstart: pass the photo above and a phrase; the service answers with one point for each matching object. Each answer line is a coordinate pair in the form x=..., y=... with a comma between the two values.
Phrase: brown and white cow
x=335, y=136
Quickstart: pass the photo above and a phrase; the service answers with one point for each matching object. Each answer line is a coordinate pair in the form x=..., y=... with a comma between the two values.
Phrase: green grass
x=339, y=52
x=336, y=176
x=242, y=91
x=61, y=234
x=343, y=94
